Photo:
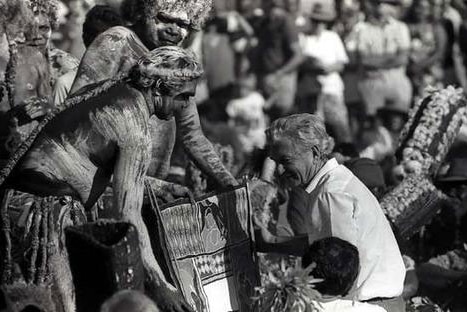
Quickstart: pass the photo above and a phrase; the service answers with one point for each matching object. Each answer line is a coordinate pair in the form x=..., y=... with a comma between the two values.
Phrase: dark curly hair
x=99, y=19
x=198, y=10
x=47, y=7
x=337, y=263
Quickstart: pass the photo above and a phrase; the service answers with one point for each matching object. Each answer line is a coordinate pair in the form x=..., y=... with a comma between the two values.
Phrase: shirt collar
x=328, y=166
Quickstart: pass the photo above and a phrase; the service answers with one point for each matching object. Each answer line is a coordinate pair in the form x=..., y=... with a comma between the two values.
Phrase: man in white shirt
x=330, y=201
x=324, y=58
x=337, y=263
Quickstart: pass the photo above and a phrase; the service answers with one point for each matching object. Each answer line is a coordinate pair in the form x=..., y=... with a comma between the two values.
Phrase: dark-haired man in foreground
x=337, y=264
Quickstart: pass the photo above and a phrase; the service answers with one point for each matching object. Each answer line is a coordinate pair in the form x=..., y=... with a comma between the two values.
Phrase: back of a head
x=368, y=171
x=337, y=263
x=98, y=20
x=129, y=301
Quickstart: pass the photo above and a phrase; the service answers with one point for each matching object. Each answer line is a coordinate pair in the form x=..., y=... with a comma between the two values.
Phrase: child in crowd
x=337, y=263
x=246, y=114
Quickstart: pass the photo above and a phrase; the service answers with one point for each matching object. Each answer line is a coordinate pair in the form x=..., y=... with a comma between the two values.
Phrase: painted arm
x=168, y=190
x=199, y=148
x=128, y=186
x=267, y=242
x=128, y=183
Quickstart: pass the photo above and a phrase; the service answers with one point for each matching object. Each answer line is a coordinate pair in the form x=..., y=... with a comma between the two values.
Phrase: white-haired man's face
x=295, y=165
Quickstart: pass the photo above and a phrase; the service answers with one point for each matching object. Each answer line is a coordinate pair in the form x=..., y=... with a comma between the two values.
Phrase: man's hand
x=168, y=300
x=271, y=83
x=266, y=235
x=168, y=191
x=31, y=109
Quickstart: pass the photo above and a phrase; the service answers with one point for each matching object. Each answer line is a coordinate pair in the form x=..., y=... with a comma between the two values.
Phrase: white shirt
x=341, y=305
x=329, y=49
x=340, y=205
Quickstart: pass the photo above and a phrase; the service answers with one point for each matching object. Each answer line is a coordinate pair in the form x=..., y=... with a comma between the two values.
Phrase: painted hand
x=266, y=235
x=170, y=301
x=172, y=191
x=30, y=110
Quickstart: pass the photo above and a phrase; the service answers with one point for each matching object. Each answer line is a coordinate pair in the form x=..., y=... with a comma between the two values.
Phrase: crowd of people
x=310, y=94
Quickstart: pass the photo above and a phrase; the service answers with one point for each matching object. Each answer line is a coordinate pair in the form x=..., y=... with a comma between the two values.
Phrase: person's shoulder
x=332, y=35
x=118, y=32
x=343, y=305
x=394, y=22
x=114, y=35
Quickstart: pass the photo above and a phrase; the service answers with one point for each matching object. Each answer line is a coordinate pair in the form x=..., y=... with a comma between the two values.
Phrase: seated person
x=327, y=200
x=337, y=263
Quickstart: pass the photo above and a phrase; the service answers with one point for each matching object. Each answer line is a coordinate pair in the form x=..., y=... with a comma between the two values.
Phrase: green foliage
x=290, y=289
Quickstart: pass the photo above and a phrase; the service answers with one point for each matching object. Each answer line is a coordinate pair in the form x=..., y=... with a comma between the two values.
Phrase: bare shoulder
x=115, y=37
x=122, y=116
x=111, y=52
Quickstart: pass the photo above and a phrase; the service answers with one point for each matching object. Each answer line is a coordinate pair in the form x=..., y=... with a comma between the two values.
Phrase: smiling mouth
x=169, y=42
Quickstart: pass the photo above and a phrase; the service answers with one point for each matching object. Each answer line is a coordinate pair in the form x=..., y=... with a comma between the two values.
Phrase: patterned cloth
x=211, y=252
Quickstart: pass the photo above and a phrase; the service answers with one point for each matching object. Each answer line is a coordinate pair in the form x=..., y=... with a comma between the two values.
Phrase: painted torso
x=115, y=51
x=80, y=145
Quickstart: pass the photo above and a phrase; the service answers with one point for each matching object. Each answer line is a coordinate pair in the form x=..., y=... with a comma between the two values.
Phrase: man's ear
x=317, y=152
x=156, y=86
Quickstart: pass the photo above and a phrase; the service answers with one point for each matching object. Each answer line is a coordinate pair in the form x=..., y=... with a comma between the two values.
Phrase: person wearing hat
x=325, y=58
x=379, y=48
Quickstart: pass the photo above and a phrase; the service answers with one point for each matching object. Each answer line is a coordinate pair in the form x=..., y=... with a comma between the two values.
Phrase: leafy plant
x=290, y=289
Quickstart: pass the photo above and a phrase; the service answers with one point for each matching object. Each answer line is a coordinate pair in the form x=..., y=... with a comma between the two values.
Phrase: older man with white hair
x=333, y=202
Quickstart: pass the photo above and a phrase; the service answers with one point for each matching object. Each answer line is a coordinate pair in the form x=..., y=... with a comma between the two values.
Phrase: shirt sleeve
x=404, y=37
x=339, y=50
x=342, y=209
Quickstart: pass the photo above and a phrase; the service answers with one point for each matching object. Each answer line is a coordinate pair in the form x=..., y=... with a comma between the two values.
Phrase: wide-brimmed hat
x=323, y=12
x=457, y=172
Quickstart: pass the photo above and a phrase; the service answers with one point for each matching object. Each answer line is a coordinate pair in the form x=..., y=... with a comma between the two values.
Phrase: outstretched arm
x=128, y=186
x=167, y=190
x=129, y=175
x=199, y=148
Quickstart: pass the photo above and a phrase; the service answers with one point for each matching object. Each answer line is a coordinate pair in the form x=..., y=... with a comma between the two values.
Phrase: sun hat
x=323, y=12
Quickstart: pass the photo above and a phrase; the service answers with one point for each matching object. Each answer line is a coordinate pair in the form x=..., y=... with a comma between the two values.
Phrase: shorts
x=389, y=88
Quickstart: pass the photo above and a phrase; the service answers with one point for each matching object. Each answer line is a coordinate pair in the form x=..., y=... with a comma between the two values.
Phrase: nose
x=172, y=31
